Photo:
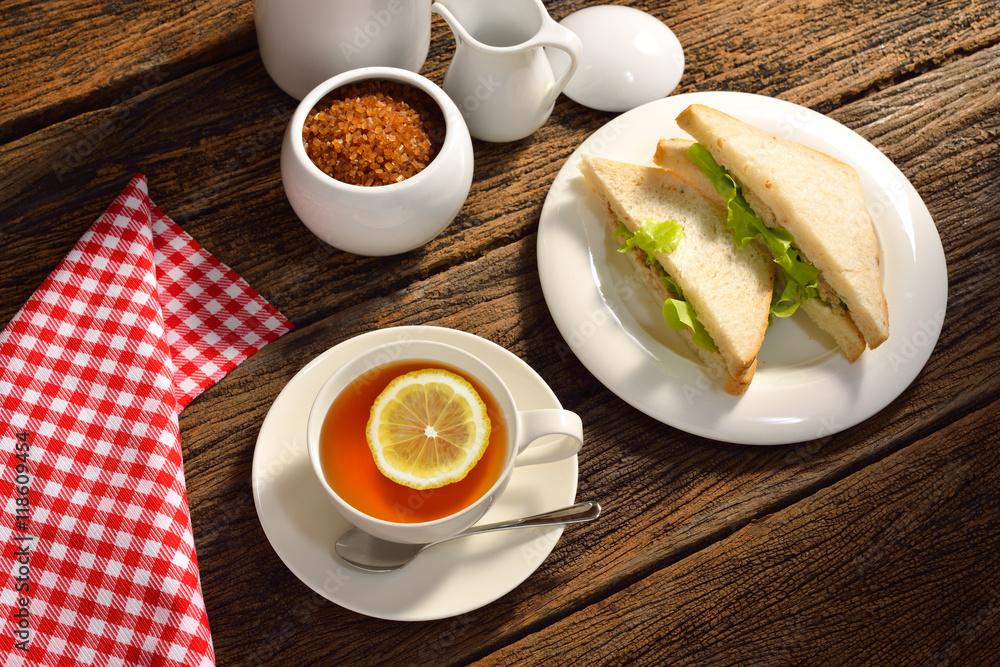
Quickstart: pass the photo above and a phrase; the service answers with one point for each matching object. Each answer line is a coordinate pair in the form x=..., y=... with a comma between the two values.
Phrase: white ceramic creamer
x=499, y=76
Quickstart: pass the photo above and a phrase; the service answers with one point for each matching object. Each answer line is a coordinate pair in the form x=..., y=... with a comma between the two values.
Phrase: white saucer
x=450, y=579
x=804, y=389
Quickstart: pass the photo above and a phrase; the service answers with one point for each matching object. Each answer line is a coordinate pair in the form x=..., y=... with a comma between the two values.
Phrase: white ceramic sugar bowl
x=385, y=219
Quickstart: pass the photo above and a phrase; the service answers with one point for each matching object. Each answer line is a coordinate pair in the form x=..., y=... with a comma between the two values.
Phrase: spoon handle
x=578, y=513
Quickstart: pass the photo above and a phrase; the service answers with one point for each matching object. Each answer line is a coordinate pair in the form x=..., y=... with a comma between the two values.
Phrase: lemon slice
x=428, y=428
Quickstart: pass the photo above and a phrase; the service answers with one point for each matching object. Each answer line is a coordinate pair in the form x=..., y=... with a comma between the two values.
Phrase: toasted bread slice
x=672, y=154
x=729, y=289
x=815, y=197
x=838, y=324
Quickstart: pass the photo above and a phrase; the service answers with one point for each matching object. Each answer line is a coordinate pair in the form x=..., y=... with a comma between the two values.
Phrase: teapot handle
x=559, y=37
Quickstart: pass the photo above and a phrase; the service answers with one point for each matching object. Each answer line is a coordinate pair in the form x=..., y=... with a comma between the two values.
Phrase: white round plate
x=450, y=579
x=803, y=388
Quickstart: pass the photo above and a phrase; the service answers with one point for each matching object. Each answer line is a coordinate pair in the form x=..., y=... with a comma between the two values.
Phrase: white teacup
x=523, y=427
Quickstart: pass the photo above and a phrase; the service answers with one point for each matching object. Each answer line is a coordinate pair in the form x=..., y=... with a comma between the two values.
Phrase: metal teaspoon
x=377, y=555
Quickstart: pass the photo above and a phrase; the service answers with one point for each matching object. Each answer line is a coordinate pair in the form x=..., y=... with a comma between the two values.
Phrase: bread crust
x=672, y=154
x=734, y=385
x=815, y=197
x=730, y=289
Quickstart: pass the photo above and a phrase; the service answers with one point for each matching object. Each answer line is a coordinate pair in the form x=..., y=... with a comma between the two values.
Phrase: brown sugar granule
x=373, y=132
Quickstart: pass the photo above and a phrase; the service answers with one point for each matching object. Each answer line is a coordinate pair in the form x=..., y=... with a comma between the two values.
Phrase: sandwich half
x=818, y=227
x=673, y=154
x=716, y=295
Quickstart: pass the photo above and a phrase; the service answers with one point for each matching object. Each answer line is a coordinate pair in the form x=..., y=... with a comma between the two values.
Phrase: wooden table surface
x=877, y=545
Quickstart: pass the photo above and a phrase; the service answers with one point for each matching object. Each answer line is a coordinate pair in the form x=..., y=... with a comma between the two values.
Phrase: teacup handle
x=559, y=37
x=535, y=424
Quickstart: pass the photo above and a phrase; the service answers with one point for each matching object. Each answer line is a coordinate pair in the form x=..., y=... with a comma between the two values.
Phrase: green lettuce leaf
x=784, y=300
x=680, y=315
x=662, y=236
x=798, y=277
x=654, y=236
x=671, y=285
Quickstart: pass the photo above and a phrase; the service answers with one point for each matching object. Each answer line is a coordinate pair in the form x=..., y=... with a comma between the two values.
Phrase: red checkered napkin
x=134, y=323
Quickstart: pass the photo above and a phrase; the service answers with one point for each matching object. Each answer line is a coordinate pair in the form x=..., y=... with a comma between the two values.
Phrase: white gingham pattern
x=136, y=321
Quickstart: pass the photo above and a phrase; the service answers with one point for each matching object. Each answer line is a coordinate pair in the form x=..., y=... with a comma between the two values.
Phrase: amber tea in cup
x=336, y=437
x=350, y=469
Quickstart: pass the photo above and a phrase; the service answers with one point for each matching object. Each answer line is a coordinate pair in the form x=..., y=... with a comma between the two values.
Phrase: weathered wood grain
x=65, y=57
x=861, y=572
x=817, y=47
x=824, y=54
x=667, y=495
x=919, y=80
x=214, y=168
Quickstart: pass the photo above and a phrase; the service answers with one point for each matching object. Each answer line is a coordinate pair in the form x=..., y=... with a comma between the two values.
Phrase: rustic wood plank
x=214, y=169
x=670, y=498
x=869, y=570
x=145, y=45
x=667, y=495
x=66, y=57
x=823, y=54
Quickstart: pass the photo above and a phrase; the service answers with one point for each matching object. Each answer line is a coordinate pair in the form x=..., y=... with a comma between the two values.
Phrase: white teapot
x=305, y=42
